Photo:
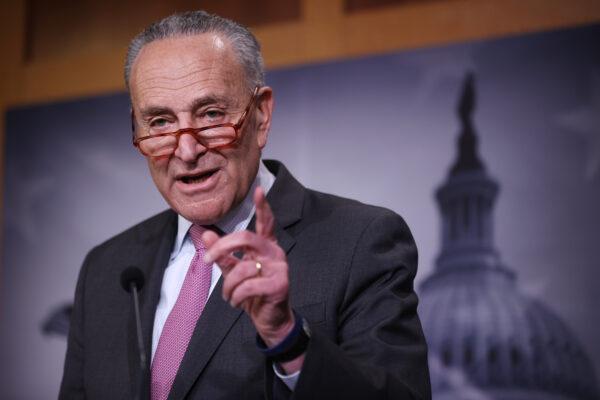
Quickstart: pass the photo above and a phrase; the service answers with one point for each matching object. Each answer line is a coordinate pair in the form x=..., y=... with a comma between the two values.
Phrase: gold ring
x=258, y=268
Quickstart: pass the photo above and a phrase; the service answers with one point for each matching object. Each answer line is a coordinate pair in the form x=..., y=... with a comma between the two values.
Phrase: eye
x=214, y=114
x=158, y=123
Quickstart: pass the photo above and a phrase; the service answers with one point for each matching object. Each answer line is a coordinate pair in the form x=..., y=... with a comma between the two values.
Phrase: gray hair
x=192, y=23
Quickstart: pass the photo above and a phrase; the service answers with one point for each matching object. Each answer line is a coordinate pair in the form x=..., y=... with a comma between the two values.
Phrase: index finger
x=225, y=261
x=265, y=220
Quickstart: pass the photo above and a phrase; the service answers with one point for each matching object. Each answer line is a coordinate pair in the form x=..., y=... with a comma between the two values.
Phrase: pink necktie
x=182, y=320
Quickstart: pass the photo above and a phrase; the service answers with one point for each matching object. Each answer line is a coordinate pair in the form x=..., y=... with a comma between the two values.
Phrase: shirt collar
x=236, y=219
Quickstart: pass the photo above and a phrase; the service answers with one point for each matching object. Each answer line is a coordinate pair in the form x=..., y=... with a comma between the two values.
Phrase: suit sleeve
x=72, y=385
x=380, y=350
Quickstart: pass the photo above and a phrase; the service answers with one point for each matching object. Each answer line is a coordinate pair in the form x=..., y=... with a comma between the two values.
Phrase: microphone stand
x=140, y=341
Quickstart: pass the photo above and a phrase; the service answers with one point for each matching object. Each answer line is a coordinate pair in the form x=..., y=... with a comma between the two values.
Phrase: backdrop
x=382, y=130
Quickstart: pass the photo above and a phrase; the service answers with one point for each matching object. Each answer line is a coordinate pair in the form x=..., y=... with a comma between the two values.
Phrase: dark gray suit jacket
x=351, y=270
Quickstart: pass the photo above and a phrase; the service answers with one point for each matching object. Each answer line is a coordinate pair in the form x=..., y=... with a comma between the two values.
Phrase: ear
x=264, y=112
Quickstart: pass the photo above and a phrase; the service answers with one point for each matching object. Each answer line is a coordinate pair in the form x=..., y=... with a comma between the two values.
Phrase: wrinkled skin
x=197, y=81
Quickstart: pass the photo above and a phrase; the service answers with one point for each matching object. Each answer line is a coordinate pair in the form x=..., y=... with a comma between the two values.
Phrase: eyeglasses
x=211, y=137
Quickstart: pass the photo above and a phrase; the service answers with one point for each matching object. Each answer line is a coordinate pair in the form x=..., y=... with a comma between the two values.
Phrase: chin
x=203, y=213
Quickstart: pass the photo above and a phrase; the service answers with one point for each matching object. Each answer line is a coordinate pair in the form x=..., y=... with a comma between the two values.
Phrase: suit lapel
x=218, y=317
x=150, y=254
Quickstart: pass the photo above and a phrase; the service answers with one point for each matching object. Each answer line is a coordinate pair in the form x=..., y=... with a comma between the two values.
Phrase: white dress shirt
x=183, y=251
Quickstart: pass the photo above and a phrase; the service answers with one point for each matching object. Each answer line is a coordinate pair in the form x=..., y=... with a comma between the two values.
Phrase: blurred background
x=476, y=120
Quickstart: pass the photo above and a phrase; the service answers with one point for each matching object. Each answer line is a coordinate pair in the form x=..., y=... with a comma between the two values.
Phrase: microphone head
x=132, y=275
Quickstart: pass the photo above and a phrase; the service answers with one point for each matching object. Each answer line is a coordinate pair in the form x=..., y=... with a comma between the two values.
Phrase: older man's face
x=192, y=82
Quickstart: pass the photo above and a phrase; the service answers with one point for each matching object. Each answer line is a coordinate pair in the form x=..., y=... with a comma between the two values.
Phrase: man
x=255, y=286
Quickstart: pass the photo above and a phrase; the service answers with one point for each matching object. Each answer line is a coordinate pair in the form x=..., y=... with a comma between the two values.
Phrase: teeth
x=197, y=180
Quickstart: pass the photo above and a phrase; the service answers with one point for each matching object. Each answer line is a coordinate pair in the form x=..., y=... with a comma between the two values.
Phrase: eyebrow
x=152, y=110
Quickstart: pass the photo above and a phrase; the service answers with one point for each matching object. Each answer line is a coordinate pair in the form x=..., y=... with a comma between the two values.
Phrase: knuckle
x=234, y=296
x=245, y=236
x=249, y=268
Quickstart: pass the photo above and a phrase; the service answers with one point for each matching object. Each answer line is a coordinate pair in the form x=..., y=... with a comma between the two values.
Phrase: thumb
x=209, y=238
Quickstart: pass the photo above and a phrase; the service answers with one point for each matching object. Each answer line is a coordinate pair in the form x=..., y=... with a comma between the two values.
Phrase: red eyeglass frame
x=195, y=131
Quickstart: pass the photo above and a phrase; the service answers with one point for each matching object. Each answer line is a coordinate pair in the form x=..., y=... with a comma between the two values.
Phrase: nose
x=189, y=149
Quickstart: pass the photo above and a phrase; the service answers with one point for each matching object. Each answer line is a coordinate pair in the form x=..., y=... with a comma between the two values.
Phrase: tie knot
x=196, y=232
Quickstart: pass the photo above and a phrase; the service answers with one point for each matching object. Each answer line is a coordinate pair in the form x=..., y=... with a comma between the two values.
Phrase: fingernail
x=207, y=258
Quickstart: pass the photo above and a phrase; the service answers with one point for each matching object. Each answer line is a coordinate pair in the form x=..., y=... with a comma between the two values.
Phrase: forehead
x=199, y=63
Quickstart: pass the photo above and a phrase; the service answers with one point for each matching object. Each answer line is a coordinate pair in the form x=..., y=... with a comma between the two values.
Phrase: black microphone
x=132, y=280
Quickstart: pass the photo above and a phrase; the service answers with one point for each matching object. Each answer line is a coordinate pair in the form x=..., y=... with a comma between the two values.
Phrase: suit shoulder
x=148, y=228
x=333, y=202
x=353, y=212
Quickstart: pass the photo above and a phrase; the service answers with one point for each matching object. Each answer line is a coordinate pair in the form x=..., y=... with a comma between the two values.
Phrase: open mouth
x=199, y=178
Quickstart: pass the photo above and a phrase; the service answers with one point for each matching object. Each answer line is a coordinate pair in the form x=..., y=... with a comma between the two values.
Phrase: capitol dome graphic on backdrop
x=487, y=340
